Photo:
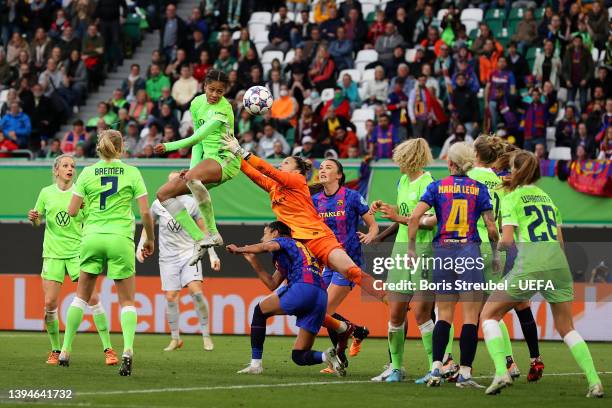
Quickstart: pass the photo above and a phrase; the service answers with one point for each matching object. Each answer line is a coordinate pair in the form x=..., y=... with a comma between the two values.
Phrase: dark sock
x=333, y=336
x=433, y=314
x=306, y=357
x=440, y=339
x=258, y=333
x=468, y=343
x=530, y=331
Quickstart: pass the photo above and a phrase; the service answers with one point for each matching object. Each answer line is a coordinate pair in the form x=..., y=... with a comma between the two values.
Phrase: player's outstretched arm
x=507, y=239
x=387, y=232
x=269, y=246
x=262, y=181
x=197, y=136
x=281, y=177
x=271, y=281
x=147, y=221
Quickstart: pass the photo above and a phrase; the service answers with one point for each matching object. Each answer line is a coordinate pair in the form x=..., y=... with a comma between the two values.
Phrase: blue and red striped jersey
x=458, y=202
x=341, y=212
x=296, y=263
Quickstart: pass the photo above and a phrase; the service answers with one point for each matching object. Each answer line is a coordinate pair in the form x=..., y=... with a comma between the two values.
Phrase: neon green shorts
x=115, y=252
x=489, y=274
x=555, y=285
x=230, y=166
x=55, y=269
x=407, y=281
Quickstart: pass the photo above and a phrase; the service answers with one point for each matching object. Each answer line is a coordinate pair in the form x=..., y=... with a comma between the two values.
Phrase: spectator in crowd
x=302, y=28
x=479, y=44
x=547, y=65
x=275, y=83
x=383, y=139
x=106, y=114
x=536, y=119
x=308, y=150
x=42, y=116
x=51, y=79
x=309, y=125
x=350, y=91
x=285, y=110
x=248, y=142
x=40, y=49
x=131, y=138
x=464, y=105
x=133, y=83
x=377, y=89
x=225, y=62
x=423, y=24
x=397, y=105
x=330, y=26
x=582, y=138
x=339, y=102
x=248, y=62
x=566, y=128
x=196, y=46
x=540, y=151
x=52, y=150
x=270, y=136
x=603, y=80
x=555, y=33
x=499, y=91
x=377, y=28
x=73, y=137
x=517, y=64
x=92, y=50
x=605, y=148
x=280, y=32
x=68, y=42
x=577, y=70
x=242, y=45
x=166, y=117
x=487, y=61
x=117, y=101
x=201, y=67
x=385, y=44
x=16, y=45
x=173, y=69
x=403, y=73
x=322, y=69
x=597, y=20
x=7, y=73
x=197, y=23
x=140, y=108
x=184, y=89
x=108, y=14
x=311, y=45
x=459, y=135
x=149, y=136
x=356, y=28
x=331, y=122
x=75, y=77
x=344, y=139
x=223, y=41
x=6, y=146
x=322, y=9
x=156, y=82
x=277, y=151
x=341, y=50
x=173, y=33
x=256, y=77
x=419, y=108
x=16, y=126
x=526, y=32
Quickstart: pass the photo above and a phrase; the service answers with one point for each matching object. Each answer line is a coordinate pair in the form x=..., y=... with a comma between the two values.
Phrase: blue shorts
x=457, y=267
x=306, y=302
x=331, y=276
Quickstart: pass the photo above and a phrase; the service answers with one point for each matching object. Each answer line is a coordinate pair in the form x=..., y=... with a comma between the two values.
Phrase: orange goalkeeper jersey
x=290, y=197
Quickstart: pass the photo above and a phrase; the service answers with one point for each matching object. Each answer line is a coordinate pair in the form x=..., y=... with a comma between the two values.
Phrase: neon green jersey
x=110, y=188
x=62, y=232
x=408, y=195
x=535, y=218
x=493, y=182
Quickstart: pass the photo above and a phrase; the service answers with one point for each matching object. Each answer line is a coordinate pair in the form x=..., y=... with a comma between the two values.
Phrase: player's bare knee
x=564, y=327
x=94, y=299
x=172, y=295
x=50, y=303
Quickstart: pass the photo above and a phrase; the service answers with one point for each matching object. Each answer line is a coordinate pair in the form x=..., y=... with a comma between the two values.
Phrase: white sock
x=256, y=362
x=465, y=371
x=50, y=315
x=172, y=316
x=202, y=312
x=173, y=206
x=80, y=303
x=426, y=327
x=97, y=308
x=323, y=357
x=436, y=365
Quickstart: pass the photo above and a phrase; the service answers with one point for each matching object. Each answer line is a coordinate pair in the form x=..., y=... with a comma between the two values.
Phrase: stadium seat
x=595, y=54
x=441, y=14
x=256, y=28
x=539, y=13
x=361, y=130
x=470, y=25
x=370, y=17
x=474, y=33
x=364, y=57
x=260, y=40
x=262, y=17
x=550, y=138
x=236, y=35
x=367, y=8
x=560, y=153
x=269, y=56
x=290, y=16
x=495, y=14
x=289, y=56
x=354, y=73
x=362, y=93
x=474, y=14
x=516, y=14
x=327, y=94
x=410, y=54
x=496, y=27
x=361, y=115
x=368, y=75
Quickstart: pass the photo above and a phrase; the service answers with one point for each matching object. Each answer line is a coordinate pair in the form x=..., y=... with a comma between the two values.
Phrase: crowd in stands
x=349, y=78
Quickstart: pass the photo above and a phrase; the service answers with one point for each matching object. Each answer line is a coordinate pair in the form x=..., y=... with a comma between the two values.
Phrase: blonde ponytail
x=462, y=156
x=110, y=144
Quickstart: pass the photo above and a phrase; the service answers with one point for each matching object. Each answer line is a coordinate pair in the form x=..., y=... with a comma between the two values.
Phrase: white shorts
x=176, y=275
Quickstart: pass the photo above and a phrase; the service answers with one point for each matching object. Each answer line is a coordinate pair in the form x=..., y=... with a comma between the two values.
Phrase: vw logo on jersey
x=403, y=209
x=174, y=226
x=62, y=218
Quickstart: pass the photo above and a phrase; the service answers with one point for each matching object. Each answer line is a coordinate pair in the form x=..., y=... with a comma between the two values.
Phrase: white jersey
x=175, y=244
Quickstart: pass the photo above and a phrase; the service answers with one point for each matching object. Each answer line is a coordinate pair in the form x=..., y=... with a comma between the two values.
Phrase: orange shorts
x=322, y=247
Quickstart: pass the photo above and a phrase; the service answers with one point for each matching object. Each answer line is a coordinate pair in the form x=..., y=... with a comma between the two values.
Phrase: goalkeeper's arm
x=197, y=136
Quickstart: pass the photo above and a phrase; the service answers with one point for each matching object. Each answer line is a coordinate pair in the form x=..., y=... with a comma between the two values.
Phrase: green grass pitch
x=191, y=377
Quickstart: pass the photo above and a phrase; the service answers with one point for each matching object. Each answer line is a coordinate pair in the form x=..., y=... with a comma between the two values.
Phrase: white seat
x=410, y=55
x=362, y=93
x=259, y=46
x=264, y=17
x=289, y=56
x=550, y=138
x=361, y=129
x=595, y=54
x=255, y=29
x=363, y=114
x=368, y=75
x=354, y=73
x=470, y=25
x=260, y=37
x=269, y=56
x=290, y=16
x=560, y=153
x=374, y=2
x=311, y=16
x=266, y=69
x=364, y=57
x=327, y=94
x=474, y=14
x=235, y=35
x=441, y=14
x=367, y=8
